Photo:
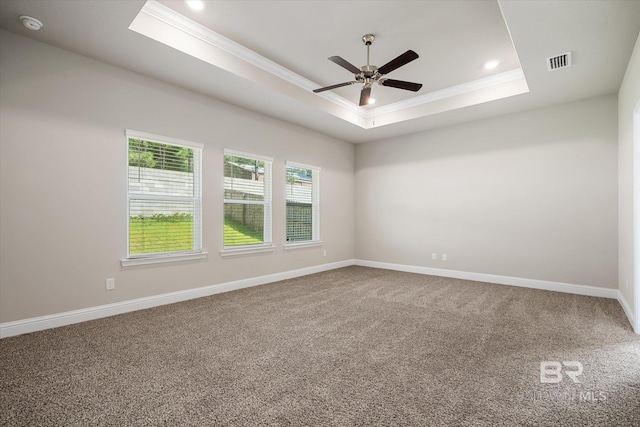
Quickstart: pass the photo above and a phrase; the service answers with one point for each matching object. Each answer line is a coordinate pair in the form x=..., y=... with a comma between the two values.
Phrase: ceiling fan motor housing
x=368, y=39
x=368, y=71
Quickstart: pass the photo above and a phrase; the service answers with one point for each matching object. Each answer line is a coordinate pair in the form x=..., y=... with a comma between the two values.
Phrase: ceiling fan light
x=490, y=65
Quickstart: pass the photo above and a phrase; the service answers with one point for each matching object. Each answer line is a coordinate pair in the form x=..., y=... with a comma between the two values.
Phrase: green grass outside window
x=162, y=233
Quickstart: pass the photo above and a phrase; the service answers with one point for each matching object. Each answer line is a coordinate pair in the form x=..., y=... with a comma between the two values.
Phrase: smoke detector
x=559, y=61
x=31, y=23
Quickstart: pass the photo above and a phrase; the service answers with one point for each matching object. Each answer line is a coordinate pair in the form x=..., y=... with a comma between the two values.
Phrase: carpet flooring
x=354, y=346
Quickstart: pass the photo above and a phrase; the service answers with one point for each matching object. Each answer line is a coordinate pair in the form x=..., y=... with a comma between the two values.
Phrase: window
x=247, y=200
x=303, y=203
x=164, y=197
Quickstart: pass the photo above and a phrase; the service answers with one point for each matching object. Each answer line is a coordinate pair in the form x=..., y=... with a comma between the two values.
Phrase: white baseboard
x=34, y=324
x=500, y=280
x=569, y=288
x=627, y=310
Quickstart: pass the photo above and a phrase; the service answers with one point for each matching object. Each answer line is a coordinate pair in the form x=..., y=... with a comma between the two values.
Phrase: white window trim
x=246, y=250
x=315, y=206
x=229, y=152
x=302, y=245
x=161, y=139
x=302, y=166
x=267, y=246
x=142, y=259
x=157, y=259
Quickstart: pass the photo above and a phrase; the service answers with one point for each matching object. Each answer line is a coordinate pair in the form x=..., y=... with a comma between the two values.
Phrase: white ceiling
x=266, y=56
x=306, y=33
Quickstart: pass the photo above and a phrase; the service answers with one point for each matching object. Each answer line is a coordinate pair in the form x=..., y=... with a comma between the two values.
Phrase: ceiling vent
x=559, y=61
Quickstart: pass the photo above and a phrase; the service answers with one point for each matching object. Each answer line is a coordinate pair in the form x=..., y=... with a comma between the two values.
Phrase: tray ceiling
x=267, y=56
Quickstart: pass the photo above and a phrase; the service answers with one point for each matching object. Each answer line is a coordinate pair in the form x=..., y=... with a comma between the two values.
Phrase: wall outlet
x=444, y=257
x=324, y=253
x=434, y=256
x=110, y=284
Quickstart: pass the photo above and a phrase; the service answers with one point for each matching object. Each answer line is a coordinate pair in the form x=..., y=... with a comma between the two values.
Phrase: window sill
x=130, y=262
x=301, y=245
x=247, y=250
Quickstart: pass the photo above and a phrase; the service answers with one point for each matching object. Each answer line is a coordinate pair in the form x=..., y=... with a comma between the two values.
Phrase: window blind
x=164, y=195
x=247, y=199
x=302, y=202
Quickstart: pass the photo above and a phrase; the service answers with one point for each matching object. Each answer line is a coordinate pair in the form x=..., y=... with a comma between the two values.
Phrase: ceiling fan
x=370, y=74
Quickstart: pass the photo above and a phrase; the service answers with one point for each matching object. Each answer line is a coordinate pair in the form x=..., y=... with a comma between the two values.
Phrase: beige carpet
x=355, y=346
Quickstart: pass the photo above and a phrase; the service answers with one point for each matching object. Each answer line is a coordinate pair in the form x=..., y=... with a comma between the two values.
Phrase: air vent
x=559, y=61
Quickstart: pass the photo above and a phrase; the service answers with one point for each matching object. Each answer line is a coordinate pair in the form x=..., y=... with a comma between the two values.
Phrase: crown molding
x=347, y=110
x=180, y=22
x=449, y=92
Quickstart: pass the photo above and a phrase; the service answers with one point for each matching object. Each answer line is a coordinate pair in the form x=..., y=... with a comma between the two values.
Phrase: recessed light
x=491, y=65
x=371, y=101
x=31, y=23
x=195, y=4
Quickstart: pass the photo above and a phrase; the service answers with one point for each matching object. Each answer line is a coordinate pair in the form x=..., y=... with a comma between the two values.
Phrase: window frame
x=267, y=244
x=158, y=257
x=315, y=206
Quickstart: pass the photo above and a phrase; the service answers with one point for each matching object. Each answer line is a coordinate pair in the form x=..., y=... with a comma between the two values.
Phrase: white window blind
x=164, y=196
x=247, y=199
x=303, y=203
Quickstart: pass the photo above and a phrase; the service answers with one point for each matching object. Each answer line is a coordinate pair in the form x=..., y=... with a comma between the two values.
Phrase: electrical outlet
x=324, y=253
x=110, y=284
x=444, y=257
x=434, y=256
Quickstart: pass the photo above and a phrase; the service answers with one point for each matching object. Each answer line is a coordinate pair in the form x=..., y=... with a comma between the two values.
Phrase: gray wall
x=530, y=195
x=628, y=99
x=63, y=181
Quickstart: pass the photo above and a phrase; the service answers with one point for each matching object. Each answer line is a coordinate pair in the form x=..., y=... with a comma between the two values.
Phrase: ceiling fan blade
x=365, y=94
x=322, y=89
x=414, y=87
x=401, y=60
x=345, y=64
